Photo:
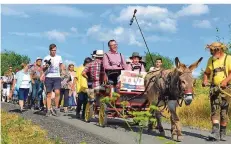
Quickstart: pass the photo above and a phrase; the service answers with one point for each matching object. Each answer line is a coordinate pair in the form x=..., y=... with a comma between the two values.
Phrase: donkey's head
x=186, y=80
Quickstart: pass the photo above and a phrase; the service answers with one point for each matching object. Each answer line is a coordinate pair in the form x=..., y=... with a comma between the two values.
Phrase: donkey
x=168, y=87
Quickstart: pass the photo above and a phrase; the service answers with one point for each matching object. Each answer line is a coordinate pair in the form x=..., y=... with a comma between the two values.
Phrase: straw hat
x=216, y=45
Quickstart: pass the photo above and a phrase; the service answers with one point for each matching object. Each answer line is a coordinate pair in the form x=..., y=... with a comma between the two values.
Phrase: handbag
x=71, y=100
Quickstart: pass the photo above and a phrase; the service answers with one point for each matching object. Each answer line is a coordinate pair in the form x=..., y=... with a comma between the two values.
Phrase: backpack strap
x=121, y=61
x=133, y=68
x=219, y=69
x=225, y=66
x=110, y=63
x=213, y=71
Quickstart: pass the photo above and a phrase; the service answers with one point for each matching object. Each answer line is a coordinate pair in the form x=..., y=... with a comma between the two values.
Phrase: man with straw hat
x=218, y=70
x=135, y=65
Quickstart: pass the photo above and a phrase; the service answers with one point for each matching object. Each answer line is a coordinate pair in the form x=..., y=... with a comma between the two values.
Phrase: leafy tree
x=167, y=62
x=219, y=39
x=11, y=58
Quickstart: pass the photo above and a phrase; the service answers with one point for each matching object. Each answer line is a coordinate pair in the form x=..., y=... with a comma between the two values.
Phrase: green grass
x=17, y=130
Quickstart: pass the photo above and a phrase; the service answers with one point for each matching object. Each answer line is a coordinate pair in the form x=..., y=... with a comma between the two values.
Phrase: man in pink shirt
x=136, y=64
x=113, y=62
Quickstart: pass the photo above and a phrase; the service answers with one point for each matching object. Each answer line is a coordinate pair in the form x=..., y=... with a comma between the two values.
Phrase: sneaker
x=77, y=116
x=53, y=112
x=48, y=113
x=57, y=112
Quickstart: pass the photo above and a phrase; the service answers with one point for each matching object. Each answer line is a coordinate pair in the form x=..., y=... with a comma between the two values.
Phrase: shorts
x=23, y=93
x=6, y=92
x=52, y=84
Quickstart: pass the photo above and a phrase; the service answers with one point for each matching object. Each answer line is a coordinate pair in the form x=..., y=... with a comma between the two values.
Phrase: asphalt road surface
x=74, y=131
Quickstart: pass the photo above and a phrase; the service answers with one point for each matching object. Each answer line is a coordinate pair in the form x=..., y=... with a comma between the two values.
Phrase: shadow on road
x=17, y=111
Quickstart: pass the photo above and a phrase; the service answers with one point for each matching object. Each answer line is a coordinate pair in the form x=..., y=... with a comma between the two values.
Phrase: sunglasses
x=114, y=45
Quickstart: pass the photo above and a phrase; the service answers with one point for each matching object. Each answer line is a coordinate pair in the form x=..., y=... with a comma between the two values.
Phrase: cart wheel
x=102, y=115
x=88, y=112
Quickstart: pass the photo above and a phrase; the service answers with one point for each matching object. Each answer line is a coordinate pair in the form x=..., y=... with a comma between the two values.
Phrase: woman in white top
x=23, y=84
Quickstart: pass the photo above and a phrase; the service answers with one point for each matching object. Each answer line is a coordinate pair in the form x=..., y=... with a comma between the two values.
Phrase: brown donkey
x=168, y=87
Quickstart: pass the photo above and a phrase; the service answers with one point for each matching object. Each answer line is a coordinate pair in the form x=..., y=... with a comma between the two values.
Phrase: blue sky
x=77, y=30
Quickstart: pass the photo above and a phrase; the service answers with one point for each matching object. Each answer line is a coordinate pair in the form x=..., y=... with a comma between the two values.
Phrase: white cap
x=99, y=53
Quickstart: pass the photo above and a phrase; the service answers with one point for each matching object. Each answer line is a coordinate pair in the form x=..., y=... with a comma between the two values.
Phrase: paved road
x=73, y=130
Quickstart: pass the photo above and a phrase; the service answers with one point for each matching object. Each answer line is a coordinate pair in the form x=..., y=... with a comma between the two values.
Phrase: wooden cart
x=130, y=89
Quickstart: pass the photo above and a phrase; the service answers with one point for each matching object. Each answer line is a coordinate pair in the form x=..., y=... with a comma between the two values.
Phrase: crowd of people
x=49, y=80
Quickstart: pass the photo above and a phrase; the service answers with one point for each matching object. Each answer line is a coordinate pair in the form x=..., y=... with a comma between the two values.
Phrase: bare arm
x=13, y=85
x=228, y=79
x=84, y=73
x=206, y=77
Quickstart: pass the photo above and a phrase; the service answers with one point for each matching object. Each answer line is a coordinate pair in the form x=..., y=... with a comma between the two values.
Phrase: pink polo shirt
x=115, y=60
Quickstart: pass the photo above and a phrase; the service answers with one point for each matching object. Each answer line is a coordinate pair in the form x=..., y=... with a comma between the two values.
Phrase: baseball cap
x=39, y=58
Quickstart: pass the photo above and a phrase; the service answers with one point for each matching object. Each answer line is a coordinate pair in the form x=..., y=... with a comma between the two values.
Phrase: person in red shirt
x=96, y=73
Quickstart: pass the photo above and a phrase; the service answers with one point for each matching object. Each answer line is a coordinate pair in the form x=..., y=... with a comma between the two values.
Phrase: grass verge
x=17, y=130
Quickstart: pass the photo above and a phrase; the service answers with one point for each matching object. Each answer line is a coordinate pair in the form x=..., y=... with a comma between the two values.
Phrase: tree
x=218, y=38
x=10, y=58
x=228, y=51
x=167, y=62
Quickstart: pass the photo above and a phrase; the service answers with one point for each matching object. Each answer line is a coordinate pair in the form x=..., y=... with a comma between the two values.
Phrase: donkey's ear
x=195, y=65
x=177, y=62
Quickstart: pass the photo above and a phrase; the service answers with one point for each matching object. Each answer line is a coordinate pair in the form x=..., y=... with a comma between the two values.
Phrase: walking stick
x=131, y=22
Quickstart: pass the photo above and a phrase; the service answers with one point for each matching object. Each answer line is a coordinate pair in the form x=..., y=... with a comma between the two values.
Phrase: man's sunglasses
x=114, y=45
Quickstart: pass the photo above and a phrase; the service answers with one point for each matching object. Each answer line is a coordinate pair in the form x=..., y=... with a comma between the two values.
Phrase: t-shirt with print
x=36, y=70
x=6, y=80
x=25, y=82
x=54, y=69
x=65, y=80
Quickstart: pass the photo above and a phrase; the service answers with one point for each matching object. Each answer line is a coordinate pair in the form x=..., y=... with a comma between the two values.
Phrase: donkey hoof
x=162, y=133
x=174, y=137
x=179, y=138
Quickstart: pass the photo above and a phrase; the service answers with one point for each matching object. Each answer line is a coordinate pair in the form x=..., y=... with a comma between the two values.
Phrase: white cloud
x=67, y=62
x=150, y=17
x=73, y=29
x=159, y=18
x=196, y=73
x=93, y=29
x=202, y=24
x=120, y=34
x=106, y=13
x=193, y=10
x=11, y=12
x=56, y=35
x=58, y=10
x=51, y=35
